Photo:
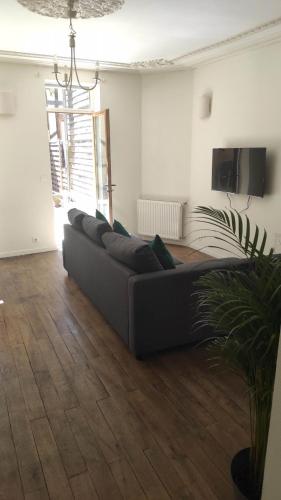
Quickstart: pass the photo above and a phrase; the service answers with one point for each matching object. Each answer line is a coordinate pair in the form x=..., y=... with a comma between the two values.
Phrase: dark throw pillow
x=100, y=216
x=119, y=228
x=76, y=217
x=95, y=228
x=134, y=253
x=162, y=253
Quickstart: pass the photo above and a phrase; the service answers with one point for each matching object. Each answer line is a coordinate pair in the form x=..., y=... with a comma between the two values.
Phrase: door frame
x=109, y=186
x=94, y=114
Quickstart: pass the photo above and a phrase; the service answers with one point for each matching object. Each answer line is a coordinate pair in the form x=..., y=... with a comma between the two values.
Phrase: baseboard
x=26, y=251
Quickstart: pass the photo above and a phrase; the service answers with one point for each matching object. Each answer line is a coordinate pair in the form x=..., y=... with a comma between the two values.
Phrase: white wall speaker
x=205, y=106
x=7, y=102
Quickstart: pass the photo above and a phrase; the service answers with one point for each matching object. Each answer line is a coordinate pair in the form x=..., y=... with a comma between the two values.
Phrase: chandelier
x=73, y=9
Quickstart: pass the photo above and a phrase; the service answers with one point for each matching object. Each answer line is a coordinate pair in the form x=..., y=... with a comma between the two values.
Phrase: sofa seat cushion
x=134, y=253
x=95, y=228
x=76, y=217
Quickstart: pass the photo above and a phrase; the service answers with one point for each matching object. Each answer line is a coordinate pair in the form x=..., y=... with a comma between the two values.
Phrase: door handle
x=109, y=187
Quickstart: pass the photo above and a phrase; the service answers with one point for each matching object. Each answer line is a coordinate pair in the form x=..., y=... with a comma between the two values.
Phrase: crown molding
x=153, y=64
x=86, y=64
x=261, y=35
x=48, y=60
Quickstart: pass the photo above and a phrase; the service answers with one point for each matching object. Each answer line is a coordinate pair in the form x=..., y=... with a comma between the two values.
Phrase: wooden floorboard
x=81, y=419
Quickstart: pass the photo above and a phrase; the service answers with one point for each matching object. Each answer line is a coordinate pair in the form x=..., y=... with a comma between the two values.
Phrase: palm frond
x=234, y=225
x=243, y=308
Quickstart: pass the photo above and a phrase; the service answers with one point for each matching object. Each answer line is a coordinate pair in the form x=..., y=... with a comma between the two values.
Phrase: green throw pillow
x=100, y=216
x=119, y=228
x=162, y=253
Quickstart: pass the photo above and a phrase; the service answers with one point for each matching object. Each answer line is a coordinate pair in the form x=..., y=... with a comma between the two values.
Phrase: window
x=58, y=97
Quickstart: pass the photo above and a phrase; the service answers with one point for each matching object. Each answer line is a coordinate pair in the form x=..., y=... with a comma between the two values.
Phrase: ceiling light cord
x=68, y=77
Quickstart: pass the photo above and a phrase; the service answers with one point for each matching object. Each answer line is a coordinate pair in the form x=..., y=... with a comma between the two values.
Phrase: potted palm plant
x=243, y=307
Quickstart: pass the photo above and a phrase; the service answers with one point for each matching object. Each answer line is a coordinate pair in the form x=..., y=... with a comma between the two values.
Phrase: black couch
x=151, y=311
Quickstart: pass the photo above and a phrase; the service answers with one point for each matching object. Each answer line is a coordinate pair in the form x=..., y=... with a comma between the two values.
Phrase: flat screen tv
x=239, y=170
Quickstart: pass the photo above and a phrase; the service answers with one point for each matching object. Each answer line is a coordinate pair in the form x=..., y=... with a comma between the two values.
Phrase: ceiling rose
x=84, y=8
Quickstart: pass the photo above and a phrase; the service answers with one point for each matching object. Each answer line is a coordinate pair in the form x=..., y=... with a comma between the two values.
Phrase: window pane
x=75, y=98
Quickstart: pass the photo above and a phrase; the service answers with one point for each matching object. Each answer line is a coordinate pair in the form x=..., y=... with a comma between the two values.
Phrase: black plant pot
x=240, y=471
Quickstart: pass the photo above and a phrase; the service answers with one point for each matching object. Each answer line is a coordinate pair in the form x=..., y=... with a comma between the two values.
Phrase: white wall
x=160, y=147
x=272, y=479
x=121, y=93
x=25, y=182
x=166, y=134
x=246, y=111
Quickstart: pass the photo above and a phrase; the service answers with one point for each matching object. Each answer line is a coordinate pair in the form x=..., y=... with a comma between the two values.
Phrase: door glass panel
x=82, y=179
x=72, y=163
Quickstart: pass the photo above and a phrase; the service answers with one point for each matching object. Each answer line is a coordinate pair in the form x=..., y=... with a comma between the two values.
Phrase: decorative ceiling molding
x=87, y=64
x=48, y=60
x=258, y=35
x=84, y=9
x=153, y=64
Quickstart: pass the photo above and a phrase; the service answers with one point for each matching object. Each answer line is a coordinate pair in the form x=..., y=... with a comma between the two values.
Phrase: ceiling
x=142, y=30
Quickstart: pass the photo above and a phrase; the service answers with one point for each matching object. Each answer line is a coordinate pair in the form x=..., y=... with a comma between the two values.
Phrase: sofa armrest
x=162, y=308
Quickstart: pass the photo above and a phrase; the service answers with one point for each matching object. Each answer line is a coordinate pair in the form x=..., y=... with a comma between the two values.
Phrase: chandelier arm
x=87, y=89
x=63, y=85
x=68, y=80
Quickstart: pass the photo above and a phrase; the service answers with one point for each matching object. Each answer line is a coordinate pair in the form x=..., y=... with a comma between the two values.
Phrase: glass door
x=79, y=143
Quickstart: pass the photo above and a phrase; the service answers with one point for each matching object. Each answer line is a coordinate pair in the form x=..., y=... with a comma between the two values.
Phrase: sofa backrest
x=95, y=228
x=133, y=252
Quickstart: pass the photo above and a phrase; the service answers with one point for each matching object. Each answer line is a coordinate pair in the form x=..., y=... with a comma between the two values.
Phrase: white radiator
x=160, y=217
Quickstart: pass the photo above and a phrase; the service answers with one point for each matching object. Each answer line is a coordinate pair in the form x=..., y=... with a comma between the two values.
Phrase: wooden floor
x=81, y=418
x=186, y=254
